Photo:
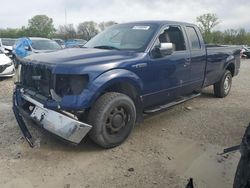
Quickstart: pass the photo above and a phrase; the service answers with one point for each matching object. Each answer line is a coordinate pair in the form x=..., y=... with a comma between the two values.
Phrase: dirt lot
x=164, y=151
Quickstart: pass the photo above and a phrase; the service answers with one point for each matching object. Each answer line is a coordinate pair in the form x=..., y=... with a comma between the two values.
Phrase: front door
x=167, y=74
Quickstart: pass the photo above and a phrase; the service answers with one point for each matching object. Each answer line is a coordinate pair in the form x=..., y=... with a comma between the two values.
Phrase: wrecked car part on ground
x=242, y=175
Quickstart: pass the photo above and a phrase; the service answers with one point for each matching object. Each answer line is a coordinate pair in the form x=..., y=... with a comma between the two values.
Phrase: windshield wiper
x=107, y=47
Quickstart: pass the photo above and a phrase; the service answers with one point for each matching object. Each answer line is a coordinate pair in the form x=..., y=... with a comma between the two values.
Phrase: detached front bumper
x=62, y=125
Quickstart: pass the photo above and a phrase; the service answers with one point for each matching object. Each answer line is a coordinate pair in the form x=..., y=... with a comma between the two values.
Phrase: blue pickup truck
x=120, y=75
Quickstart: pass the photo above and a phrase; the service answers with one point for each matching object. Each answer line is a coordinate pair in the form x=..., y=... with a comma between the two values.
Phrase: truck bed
x=218, y=57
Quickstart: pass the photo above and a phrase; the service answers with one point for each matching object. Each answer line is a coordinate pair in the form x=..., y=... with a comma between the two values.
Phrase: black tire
x=223, y=87
x=113, y=117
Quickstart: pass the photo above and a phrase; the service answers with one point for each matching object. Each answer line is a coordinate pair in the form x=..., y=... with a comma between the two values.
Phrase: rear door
x=198, y=59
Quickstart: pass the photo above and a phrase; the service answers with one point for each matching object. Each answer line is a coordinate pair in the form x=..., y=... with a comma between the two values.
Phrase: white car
x=7, y=43
x=7, y=68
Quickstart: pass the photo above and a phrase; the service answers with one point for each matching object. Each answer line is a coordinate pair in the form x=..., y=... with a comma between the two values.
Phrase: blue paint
x=19, y=48
x=156, y=80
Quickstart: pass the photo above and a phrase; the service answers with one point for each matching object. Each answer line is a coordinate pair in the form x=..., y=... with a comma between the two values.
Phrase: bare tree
x=66, y=31
x=206, y=23
x=87, y=30
x=105, y=25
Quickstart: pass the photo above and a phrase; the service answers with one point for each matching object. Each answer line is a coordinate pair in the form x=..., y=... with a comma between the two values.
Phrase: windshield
x=45, y=45
x=124, y=37
x=8, y=42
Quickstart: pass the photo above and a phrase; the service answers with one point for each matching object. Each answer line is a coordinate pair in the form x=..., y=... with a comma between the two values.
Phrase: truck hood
x=82, y=60
x=79, y=56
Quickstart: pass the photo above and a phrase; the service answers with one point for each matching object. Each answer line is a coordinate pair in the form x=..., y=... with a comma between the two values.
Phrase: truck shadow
x=86, y=145
x=207, y=94
x=45, y=140
x=5, y=78
x=52, y=142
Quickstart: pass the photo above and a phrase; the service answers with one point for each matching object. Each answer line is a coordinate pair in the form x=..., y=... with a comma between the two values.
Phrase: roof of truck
x=159, y=22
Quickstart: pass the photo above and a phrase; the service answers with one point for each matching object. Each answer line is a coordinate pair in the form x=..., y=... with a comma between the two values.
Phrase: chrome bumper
x=57, y=123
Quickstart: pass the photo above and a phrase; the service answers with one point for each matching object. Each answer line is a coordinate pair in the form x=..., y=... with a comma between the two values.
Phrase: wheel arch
x=230, y=64
x=231, y=67
x=118, y=80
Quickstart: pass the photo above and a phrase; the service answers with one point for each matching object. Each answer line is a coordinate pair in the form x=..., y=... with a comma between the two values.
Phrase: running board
x=168, y=105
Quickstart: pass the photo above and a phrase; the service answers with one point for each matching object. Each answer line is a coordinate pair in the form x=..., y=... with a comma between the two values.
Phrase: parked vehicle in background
x=7, y=68
x=1, y=45
x=246, y=52
x=75, y=43
x=122, y=73
x=27, y=46
x=7, y=45
x=60, y=42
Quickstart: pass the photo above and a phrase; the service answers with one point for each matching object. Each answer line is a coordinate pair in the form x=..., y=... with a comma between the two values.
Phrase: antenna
x=65, y=16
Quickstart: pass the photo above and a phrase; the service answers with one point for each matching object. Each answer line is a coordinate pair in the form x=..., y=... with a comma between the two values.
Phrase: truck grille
x=37, y=78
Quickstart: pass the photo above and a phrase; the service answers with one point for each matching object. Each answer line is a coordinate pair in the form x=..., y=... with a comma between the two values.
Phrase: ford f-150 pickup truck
x=120, y=75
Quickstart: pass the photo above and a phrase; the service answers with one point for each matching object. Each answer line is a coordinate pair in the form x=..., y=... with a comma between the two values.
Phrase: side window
x=193, y=38
x=173, y=34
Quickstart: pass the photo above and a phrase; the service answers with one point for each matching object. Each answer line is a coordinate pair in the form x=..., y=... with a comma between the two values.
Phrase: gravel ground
x=163, y=151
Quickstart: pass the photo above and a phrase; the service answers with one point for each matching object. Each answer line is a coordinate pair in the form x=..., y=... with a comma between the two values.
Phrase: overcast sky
x=232, y=13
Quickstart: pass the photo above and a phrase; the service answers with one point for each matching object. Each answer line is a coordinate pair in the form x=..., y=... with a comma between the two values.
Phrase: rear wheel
x=112, y=117
x=223, y=87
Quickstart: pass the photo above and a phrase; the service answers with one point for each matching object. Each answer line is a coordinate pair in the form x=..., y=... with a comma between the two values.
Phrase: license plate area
x=39, y=114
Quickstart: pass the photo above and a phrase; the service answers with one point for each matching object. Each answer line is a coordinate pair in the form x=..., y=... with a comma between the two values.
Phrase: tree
x=66, y=31
x=206, y=23
x=105, y=25
x=41, y=26
x=13, y=33
x=87, y=30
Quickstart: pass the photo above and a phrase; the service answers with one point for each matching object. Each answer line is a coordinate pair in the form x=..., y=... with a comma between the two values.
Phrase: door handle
x=187, y=62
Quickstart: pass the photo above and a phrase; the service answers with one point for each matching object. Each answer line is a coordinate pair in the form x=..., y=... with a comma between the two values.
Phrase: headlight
x=9, y=64
x=70, y=84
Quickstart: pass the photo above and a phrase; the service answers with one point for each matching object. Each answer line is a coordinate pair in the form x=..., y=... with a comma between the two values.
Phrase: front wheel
x=113, y=117
x=223, y=87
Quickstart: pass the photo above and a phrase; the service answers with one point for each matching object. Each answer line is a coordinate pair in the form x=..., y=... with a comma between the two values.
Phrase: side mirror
x=166, y=49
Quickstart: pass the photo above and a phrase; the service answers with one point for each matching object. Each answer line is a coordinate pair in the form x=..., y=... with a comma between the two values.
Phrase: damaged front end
x=35, y=89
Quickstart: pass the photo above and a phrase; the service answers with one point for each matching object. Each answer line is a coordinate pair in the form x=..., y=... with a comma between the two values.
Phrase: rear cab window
x=193, y=38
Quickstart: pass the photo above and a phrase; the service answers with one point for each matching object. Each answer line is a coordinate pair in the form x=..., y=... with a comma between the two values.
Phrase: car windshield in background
x=45, y=45
x=124, y=37
x=60, y=42
x=80, y=41
x=8, y=42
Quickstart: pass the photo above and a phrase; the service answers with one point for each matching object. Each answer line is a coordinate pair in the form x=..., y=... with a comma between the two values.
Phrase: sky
x=232, y=13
